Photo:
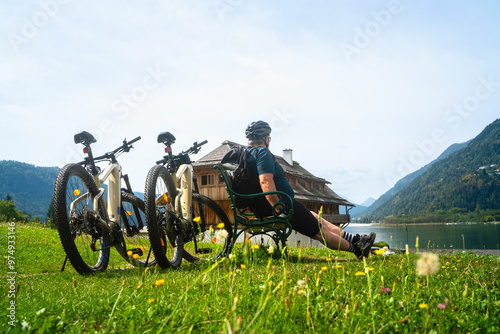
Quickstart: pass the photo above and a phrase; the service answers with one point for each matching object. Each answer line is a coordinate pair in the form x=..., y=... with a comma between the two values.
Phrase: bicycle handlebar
x=192, y=150
x=125, y=147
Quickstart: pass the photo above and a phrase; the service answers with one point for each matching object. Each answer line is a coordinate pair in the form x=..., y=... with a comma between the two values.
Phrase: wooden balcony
x=339, y=220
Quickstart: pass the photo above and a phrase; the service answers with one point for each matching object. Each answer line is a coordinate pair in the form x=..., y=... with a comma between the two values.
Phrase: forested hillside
x=30, y=187
x=405, y=181
x=464, y=182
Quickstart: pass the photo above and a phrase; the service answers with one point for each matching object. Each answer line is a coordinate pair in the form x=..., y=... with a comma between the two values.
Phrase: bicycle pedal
x=137, y=251
x=203, y=251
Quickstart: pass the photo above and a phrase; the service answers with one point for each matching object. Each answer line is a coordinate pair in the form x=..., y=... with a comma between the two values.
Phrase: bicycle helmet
x=257, y=130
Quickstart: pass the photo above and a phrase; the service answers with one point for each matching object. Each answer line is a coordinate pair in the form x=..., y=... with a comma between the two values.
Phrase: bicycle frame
x=113, y=174
x=184, y=198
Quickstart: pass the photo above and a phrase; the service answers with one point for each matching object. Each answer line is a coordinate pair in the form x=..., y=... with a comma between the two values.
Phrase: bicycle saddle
x=166, y=138
x=84, y=138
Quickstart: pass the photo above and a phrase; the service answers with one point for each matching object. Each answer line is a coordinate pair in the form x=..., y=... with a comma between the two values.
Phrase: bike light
x=168, y=149
x=165, y=198
x=86, y=149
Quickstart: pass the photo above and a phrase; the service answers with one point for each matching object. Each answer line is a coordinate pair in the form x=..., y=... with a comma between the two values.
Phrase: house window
x=208, y=180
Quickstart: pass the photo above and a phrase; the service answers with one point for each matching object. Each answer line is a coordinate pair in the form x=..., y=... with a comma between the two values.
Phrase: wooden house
x=312, y=191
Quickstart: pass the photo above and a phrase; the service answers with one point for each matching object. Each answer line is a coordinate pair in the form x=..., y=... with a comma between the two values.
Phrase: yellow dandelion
x=379, y=251
x=371, y=269
x=129, y=253
x=359, y=273
x=338, y=266
x=243, y=266
x=255, y=246
x=196, y=219
x=428, y=264
x=422, y=306
x=160, y=282
x=135, y=256
x=151, y=300
x=220, y=225
x=328, y=259
x=339, y=282
x=324, y=268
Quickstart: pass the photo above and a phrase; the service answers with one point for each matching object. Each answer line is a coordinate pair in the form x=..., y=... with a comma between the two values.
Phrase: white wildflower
x=428, y=264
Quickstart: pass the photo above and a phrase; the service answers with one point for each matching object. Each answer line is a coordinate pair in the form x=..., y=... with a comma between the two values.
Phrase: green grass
x=315, y=290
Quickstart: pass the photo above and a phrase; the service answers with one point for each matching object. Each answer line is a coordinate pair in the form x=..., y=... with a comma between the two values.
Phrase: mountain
x=468, y=180
x=357, y=210
x=360, y=208
x=30, y=187
x=405, y=181
x=368, y=202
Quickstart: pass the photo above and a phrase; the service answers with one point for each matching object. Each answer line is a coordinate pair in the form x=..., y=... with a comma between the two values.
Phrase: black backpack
x=244, y=178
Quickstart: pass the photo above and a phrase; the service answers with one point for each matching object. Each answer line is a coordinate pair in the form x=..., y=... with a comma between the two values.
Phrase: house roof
x=328, y=196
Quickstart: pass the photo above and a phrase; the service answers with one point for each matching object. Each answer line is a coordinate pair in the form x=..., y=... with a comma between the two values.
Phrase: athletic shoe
x=364, y=245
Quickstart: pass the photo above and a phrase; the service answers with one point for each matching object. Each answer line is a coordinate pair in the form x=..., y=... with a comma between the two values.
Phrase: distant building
x=312, y=191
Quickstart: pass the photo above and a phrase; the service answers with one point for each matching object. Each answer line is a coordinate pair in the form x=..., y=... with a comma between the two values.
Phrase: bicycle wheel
x=211, y=231
x=165, y=233
x=136, y=248
x=85, y=240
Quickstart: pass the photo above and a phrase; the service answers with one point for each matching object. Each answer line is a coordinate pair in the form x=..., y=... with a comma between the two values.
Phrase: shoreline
x=451, y=251
x=415, y=224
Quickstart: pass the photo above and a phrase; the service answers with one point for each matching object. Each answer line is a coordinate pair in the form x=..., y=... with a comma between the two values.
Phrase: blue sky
x=363, y=92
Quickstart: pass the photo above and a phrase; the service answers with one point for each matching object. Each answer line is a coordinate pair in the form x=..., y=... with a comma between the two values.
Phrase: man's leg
x=334, y=229
x=332, y=240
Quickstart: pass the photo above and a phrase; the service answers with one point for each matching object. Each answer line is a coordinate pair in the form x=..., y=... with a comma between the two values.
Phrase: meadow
x=254, y=291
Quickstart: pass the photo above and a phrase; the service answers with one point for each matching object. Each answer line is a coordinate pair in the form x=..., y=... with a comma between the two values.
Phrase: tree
x=8, y=211
x=50, y=215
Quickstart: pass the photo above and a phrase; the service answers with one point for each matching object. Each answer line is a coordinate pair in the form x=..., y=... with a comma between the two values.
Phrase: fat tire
x=62, y=192
x=223, y=243
x=161, y=242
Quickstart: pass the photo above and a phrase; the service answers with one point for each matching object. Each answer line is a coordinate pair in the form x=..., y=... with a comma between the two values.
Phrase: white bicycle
x=88, y=226
x=182, y=222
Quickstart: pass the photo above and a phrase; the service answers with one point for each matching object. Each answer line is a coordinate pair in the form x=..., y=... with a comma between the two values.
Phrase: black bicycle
x=88, y=225
x=182, y=222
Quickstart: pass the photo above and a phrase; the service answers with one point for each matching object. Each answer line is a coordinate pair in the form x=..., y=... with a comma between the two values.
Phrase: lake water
x=436, y=236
